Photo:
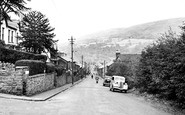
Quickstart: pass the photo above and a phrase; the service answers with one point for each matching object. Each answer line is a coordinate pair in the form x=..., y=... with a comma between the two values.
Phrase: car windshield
x=107, y=80
x=119, y=78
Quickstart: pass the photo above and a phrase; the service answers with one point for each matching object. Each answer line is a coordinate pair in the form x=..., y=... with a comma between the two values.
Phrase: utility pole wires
x=72, y=51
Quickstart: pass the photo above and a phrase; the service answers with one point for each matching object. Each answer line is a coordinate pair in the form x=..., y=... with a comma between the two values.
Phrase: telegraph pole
x=82, y=66
x=72, y=42
x=0, y=22
x=104, y=68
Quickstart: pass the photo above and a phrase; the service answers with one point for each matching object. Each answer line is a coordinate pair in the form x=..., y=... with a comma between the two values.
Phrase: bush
x=35, y=66
x=40, y=57
x=50, y=68
x=2, y=43
x=11, y=56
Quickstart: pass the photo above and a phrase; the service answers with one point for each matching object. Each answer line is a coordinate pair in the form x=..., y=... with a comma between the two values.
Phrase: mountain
x=132, y=40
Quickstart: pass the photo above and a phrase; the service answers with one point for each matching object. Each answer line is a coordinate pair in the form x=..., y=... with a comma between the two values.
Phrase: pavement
x=41, y=96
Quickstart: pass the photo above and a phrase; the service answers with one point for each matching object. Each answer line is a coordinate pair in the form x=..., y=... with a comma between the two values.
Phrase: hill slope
x=102, y=45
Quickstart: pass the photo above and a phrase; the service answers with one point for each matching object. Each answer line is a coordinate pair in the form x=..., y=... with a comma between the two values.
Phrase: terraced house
x=9, y=33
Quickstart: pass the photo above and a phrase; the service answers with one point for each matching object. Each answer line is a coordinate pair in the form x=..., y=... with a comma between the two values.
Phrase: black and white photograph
x=92, y=57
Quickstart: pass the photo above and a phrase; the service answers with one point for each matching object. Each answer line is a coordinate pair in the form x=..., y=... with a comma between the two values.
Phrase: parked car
x=118, y=83
x=106, y=82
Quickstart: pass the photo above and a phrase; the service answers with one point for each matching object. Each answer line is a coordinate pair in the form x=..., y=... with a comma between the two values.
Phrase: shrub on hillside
x=11, y=56
x=35, y=66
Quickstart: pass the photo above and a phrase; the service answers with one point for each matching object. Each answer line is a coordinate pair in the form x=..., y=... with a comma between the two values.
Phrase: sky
x=82, y=17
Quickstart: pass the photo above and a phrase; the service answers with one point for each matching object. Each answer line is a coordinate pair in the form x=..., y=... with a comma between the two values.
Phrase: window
x=3, y=33
x=8, y=36
x=17, y=40
x=12, y=37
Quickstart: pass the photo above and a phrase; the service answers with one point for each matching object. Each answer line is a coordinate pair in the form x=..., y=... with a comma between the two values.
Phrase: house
x=59, y=61
x=102, y=69
x=9, y=33
x=64, y=61
x=130, y=60
x=127, y=58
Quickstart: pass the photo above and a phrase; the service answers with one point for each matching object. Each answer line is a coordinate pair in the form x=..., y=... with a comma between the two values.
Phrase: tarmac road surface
x=85, y=98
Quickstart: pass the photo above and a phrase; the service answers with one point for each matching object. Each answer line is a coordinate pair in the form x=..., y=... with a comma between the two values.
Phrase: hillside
x=102, y=45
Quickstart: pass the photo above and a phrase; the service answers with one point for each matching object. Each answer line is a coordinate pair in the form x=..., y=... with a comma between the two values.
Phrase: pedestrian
x=92, y=76
x=97, y=78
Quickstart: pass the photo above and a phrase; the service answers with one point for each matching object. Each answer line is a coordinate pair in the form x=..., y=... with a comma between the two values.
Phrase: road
x=86, y=98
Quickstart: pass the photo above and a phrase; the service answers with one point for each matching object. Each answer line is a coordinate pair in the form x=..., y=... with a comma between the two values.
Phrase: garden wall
x=19, y=83
x=69, y=79
x=11, y=84
x=38, y=83
x=61, y=80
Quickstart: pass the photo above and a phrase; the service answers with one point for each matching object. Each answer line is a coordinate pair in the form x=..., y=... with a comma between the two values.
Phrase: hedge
x=11, y=56
x=35, y=66
x=59, y=70
x=50, y=68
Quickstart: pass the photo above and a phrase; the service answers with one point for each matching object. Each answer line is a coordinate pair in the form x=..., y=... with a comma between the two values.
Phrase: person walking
x=97, y=79
x=92, y=76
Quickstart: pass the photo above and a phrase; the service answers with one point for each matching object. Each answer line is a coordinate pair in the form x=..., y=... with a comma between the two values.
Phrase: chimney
x=117, y=54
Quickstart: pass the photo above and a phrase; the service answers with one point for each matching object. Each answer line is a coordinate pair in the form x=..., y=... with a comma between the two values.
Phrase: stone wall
x=11, y=84
x=75, y=78
x=61, y=80
x=38, y=83
x=69, y=79
x=18, y=83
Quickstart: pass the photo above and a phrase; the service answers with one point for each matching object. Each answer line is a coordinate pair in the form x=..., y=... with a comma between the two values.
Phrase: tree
x=11, y=6
x=162, y=68
x=117, y=69
x=36, y=33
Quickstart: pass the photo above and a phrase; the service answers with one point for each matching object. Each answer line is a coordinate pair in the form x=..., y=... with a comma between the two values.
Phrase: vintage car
x=118, y=83
x=106, y=82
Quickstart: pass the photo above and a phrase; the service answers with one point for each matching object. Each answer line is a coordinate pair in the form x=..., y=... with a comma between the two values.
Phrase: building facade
x=10, y=32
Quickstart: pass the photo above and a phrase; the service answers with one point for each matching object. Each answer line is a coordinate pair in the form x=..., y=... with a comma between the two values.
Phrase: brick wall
x=11, y=84
x=38, y=83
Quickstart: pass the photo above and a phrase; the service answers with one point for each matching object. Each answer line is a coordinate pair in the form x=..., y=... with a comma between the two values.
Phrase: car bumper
x=120, y=88
x=106, y=84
